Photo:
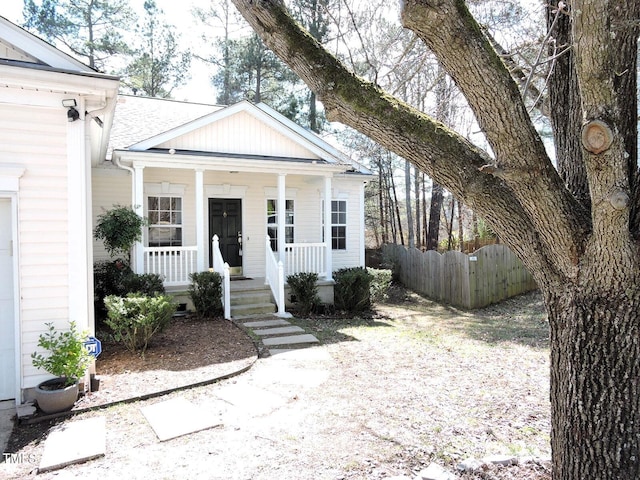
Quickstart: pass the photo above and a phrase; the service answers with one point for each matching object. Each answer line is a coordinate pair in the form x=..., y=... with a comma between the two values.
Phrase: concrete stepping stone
x=290, y=340
x=279, y=330
x=74, y=442
x=176, y=417
x=300, y=354
x=265, y=323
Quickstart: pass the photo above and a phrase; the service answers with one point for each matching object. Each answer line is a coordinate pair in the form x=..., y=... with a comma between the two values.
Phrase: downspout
x=116, y=160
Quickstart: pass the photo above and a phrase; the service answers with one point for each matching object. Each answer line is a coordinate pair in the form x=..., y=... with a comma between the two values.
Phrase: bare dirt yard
x=408, y=384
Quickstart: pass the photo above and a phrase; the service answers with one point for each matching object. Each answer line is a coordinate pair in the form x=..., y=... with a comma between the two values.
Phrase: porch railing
x=220, y=266
x=173, y=264
x=274, y=276
x=305, y=257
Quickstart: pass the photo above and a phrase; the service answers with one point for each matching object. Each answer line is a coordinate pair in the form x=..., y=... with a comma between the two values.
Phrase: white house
x=55, y=116
x=277, y=198
x=244, y=174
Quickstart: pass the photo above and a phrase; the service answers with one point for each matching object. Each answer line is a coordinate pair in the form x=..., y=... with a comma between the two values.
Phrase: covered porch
x=175, y=264
x=258, y=242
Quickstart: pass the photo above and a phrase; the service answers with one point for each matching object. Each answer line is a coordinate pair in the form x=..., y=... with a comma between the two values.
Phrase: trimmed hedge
x=304, y=288
x=351, y=290
x=135, y=318
x=115, y=277
x=205, y=292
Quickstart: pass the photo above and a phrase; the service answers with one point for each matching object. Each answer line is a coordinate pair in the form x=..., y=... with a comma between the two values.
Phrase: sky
x=199, y=88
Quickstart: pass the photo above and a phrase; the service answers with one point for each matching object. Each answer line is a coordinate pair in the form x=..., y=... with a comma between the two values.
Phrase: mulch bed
x=190, y=351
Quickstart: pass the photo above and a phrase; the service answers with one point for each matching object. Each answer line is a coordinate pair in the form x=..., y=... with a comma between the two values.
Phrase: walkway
x=233, y=403
x=77, y=441
x=279, y=335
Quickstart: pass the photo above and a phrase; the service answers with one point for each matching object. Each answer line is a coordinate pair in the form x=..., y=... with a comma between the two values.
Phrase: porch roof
x=231, y=162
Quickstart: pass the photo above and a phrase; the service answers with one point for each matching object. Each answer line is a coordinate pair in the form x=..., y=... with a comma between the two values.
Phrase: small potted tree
x=68, y=360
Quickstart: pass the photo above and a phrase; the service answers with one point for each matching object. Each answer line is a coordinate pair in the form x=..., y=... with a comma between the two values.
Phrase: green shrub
x=380, y=283
x=115, y=277
x=119, y=229
x=135, y=318
x=109, y=278
x=68, y=358
x=144, y=283
x=304, y=288
x=351, y=290
x=205, y=291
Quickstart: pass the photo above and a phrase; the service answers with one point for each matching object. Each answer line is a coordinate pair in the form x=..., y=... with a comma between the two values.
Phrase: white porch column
x=138, y=206
x=281, y=209
x=200, y=220
x=327, y=228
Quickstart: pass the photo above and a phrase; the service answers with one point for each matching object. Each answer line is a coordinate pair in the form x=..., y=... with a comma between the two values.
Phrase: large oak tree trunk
x=595, y=382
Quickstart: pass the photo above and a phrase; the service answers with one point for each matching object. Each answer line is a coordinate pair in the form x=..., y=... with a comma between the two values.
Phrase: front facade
x=70, y=148
x=243, y=175
x=48, y=103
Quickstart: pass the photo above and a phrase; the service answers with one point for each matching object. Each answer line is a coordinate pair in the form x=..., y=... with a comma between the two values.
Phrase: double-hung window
x=338, y=224
x=165, y=221
x=272, y=222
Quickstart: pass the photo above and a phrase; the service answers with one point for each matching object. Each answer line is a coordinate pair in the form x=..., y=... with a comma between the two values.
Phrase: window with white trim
x=338, y=224
x=165, y=221
x=272, y=222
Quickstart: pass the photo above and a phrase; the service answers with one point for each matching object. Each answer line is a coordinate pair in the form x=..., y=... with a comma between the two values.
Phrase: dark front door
x=225, y=220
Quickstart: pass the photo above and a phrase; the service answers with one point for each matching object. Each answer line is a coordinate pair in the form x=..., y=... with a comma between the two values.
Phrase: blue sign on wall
x=93, y=346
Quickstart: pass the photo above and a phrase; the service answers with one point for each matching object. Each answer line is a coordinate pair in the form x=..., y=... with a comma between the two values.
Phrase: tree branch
x=454, y=36
x=441, y=153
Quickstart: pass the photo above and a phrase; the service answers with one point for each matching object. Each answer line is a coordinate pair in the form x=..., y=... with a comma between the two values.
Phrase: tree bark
x=407, y=188
x=460, y=227
x=595, y=383
x=416, y=185
x=433, y=233
x=566, y=110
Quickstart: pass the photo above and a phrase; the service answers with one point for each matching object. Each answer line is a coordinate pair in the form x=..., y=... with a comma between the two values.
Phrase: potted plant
x=68, y=360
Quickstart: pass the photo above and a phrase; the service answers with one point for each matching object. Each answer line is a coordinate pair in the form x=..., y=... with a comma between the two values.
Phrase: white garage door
x=7, y=319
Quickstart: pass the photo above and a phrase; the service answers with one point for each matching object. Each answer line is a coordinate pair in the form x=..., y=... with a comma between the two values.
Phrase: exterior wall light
x=72, y=113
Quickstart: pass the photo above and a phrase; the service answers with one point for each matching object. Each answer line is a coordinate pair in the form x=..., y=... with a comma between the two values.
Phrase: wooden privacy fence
x=489, y=275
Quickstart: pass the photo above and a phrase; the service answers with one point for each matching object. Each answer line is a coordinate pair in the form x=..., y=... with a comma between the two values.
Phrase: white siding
x=349, y=190
x=253, y=190
x=42, y=219
x=241, y=133
x=10, y=52
x=111, y=186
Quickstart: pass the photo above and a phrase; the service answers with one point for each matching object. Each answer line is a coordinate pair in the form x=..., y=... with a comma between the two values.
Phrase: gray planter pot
x=54, y=400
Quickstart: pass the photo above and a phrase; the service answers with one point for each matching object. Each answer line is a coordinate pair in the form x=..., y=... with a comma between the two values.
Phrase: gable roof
x=282, y=126
x=19, y=47
x=30, y=64
x=139, y=118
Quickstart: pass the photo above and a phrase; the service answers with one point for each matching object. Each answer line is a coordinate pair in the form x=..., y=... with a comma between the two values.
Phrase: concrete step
x=252, y=309
x=276, y=322
x=250, y=297
x=265, y=332
x=290, y=340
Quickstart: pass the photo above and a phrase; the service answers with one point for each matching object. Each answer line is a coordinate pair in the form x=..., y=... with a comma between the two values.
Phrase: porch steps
x=250, y=310
x=251, y=301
